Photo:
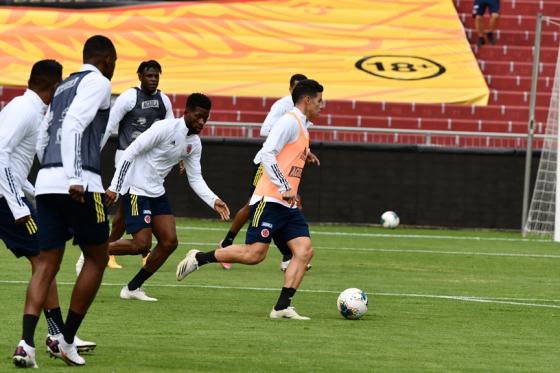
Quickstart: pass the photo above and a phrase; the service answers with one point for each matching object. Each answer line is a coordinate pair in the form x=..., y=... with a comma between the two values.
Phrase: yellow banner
x=402, y=51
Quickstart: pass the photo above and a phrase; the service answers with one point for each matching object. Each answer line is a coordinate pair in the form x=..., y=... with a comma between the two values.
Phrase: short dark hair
x=296, y=78
x=44, y=74
x=200, y=100
x=306, y=87
x=149, y=65
x=98, y=45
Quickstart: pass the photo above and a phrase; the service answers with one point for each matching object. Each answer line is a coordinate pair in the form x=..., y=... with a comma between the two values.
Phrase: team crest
x=189, y=149
x=148, y=219
x=265, y=233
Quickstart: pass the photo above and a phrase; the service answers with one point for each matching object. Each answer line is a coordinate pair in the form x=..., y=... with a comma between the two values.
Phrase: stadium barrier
x=356, y=183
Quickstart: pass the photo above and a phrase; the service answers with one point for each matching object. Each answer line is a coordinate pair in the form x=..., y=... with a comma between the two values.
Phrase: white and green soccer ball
x=390, y=220
x=352, y=303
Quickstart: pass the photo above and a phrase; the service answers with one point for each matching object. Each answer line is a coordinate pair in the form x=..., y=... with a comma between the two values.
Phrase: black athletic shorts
x=61, y=218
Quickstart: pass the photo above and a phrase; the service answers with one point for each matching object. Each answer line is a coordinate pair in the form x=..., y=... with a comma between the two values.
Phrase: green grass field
x=440, y=301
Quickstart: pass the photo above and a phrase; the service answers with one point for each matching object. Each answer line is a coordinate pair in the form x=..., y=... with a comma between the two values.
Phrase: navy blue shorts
x=258, y=170
x=269, y=220
x=21, y=239
x=61, y=218
x=138, y=210
x=480, y=6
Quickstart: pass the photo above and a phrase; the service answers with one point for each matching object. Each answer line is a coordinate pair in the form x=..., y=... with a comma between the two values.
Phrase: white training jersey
x=277, y=110
x=19, y=126
x=122, y=105
x=93, y=94
x=149, y=159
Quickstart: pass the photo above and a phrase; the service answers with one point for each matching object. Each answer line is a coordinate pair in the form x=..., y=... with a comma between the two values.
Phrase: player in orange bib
x=274, y=214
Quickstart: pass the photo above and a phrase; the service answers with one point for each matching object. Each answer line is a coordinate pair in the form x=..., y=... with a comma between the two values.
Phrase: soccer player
x=19, y=125
x=273, y=212
x=277, y=110
x=133, y=112
x=69, y=191
x=141, y=171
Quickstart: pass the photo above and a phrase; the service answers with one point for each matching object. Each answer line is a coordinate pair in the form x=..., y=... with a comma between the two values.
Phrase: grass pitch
x=471, y=301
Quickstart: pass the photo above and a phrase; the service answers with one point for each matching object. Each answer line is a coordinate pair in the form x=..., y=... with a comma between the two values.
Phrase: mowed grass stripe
x=464, y=298
x=385, y=235
x=366, y=249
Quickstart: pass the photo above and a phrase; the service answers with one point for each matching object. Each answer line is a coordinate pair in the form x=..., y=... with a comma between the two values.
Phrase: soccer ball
x=352, y=303
x=390, y=219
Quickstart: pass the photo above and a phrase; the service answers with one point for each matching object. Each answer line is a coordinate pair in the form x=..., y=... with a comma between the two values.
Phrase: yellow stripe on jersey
x=258, y=175
x=134, y=205
x=258, y=212
x=99, y=207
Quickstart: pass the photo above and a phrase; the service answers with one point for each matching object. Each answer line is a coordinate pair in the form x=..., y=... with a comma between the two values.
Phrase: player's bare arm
x=110, y=197
x=23, y=219
x=77, y=193
x=312, y=159
x=222, y=208
x=289, y=197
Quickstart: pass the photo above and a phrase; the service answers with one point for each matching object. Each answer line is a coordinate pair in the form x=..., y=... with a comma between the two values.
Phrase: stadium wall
x=357, y=183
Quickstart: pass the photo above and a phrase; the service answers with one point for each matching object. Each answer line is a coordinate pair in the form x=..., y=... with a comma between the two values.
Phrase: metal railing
x=463, y=139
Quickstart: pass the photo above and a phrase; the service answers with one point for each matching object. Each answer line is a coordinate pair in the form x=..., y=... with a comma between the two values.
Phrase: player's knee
x=169, y=245
x=254, y=257
x=142, y=245
x=46, y=270
x=305, y=252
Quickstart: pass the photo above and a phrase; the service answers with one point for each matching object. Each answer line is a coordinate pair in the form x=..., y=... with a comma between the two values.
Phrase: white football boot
x=24, y=356
x=187, y=265
x=137, y=294
x=287, y=313
x=69, y=353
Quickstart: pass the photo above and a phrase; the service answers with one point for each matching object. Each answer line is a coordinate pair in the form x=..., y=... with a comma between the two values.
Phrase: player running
x=274, y=214
x=141, y=172
x=277, y=110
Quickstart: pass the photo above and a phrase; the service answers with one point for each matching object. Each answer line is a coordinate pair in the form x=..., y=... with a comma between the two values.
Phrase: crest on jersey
x=148, y=219
x=189, y=148
x=265, y=233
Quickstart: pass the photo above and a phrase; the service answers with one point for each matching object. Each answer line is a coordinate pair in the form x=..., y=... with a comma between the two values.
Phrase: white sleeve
x=29, y=193
x=196, y=181
x=168, y=107
x=148, y=140
x=123, y=104
x=43, y=136
x=285, y=133
x=93, y=93
x=12, y=131
x=278, y=109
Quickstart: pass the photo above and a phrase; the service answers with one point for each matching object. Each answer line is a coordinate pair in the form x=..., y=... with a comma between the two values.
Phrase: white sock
x=27, y=347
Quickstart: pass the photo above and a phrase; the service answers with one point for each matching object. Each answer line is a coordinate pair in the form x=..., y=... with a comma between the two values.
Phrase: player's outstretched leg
x=243, y=254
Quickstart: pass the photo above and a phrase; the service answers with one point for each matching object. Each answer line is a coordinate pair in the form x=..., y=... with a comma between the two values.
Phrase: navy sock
x=285, y=298
x=73, y=322
x=55, y=323
x=205, y=258
x=139, y=279
x=29, y=325
x=230, y=237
